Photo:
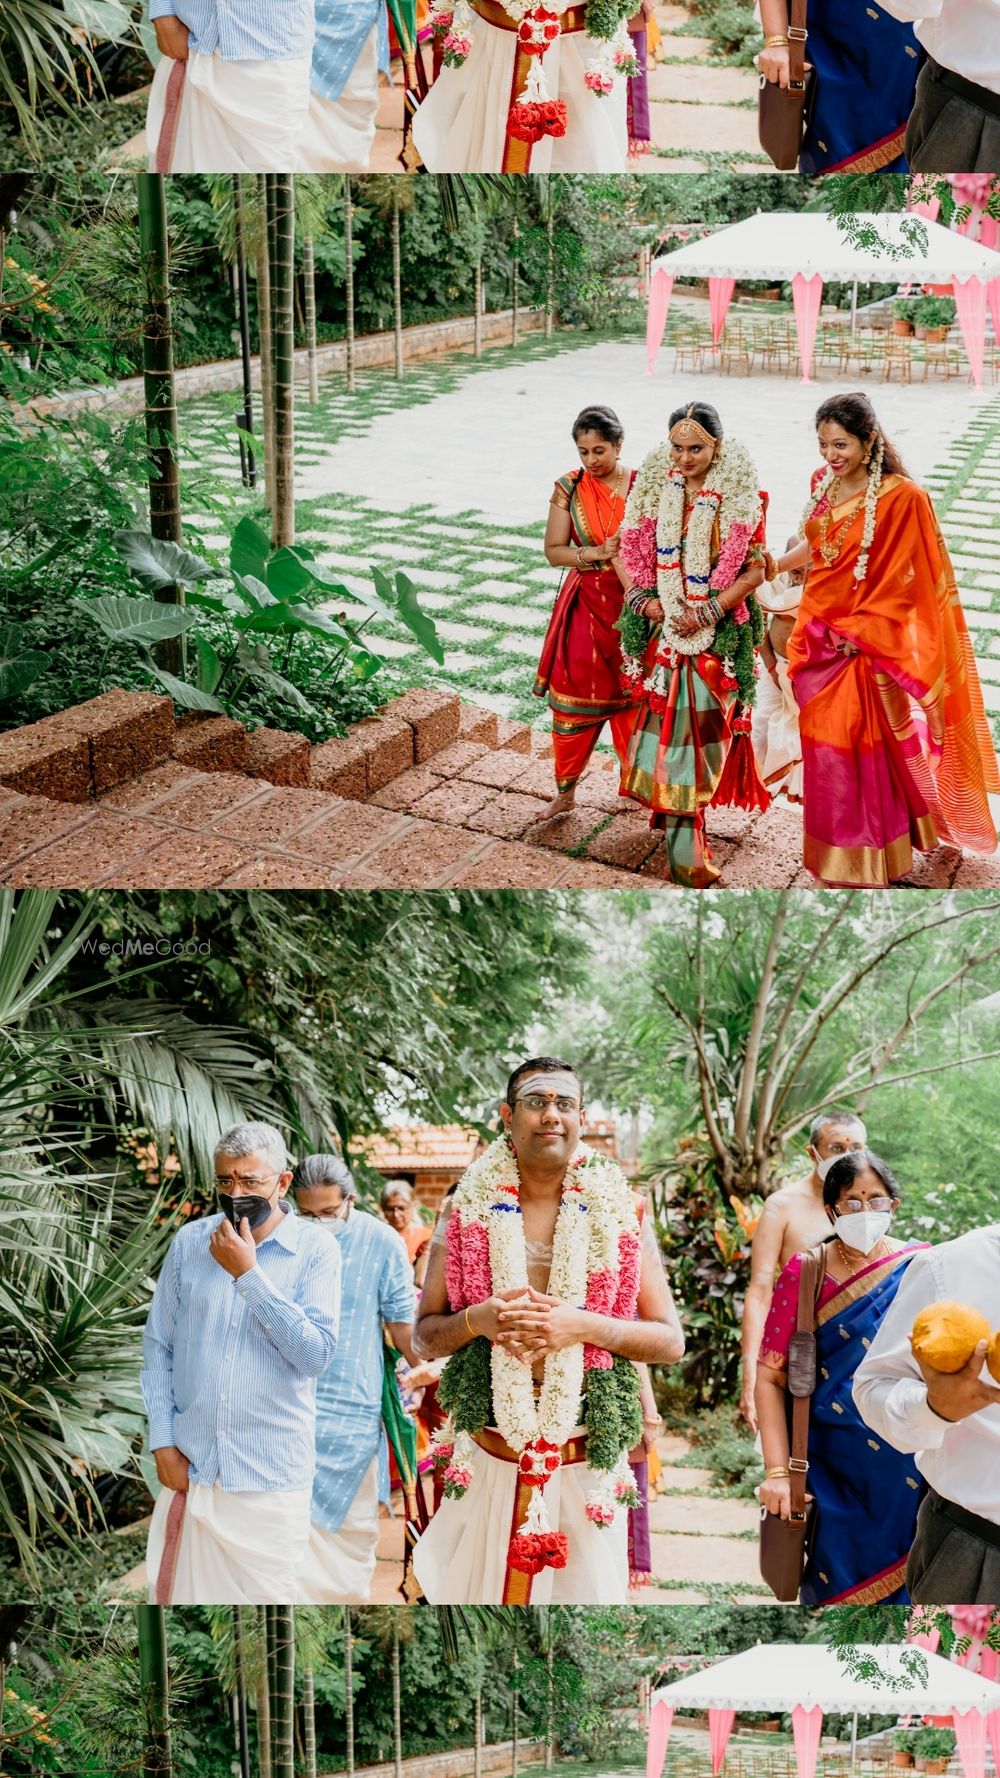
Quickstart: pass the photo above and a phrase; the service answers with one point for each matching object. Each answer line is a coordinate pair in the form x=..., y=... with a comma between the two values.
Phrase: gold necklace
x=830, y=541
x=849, y=1266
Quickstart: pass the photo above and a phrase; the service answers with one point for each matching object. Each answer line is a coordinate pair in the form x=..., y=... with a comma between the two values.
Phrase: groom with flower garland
x=545, y=1289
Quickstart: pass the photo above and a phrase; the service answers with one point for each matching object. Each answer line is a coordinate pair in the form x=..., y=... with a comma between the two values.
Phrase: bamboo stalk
x=155, y=1683
x=158, y=383
x=309, y=284
x=282, y=238
x=397, y=281
x=349, y=285
x=264, y=331
x=283, y=1702
x=309, y=1721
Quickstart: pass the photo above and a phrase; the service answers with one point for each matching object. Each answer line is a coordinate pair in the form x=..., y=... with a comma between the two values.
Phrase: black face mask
x=256, y=1210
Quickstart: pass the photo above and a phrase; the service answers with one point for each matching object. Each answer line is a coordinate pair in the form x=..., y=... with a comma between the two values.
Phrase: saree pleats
x=675, y=762
x=578, y=671
x=896, y=748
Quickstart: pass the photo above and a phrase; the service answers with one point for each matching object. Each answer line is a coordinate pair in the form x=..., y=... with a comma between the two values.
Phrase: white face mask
x=862, y=1229
x=823, y=1167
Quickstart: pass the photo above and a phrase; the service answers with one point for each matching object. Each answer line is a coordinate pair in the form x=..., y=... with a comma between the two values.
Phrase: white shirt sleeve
x=889, y=1392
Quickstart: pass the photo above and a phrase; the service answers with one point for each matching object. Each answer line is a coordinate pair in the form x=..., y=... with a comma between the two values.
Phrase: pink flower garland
x=732, y=556
x=467, y=1272
x=638, y=552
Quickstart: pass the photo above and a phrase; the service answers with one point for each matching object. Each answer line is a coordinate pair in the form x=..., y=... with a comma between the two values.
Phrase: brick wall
x=127, y=399
x=456, y=1764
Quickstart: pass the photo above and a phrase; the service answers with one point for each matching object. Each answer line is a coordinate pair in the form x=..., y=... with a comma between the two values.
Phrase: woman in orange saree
x=896, y=748
x=581, y=655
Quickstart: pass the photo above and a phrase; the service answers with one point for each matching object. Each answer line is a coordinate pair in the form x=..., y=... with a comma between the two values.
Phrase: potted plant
x=933, y=316
x=902, y=1747
x=933, y=1748
x=902, y=313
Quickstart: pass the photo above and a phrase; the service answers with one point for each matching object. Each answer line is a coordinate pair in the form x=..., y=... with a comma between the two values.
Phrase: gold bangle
x=778, y=41
x=471, y=1330
x=777, y=1472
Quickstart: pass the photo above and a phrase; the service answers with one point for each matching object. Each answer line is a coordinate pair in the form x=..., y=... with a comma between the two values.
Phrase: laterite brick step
x=427, y=793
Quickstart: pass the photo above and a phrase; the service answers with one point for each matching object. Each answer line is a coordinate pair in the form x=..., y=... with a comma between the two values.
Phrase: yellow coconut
x=946, y=1334
x=993, y=1357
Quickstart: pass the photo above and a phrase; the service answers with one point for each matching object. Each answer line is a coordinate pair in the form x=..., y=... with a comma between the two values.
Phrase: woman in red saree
x=896, y=747
x=581, y=655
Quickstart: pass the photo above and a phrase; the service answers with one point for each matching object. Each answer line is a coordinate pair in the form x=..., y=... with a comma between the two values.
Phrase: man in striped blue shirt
x=352, y=1467
x=244, y=1319
x=351, y=50
x=232, y=90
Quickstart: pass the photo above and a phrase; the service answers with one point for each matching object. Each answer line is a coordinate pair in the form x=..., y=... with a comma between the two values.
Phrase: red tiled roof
x=421, y=1148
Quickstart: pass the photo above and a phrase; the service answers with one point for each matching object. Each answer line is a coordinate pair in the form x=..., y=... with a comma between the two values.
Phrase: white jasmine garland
x=729, y=495
x=596, y=1208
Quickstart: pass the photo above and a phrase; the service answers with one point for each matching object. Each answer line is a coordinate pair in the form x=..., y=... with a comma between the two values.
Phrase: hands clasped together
x=527, y=1323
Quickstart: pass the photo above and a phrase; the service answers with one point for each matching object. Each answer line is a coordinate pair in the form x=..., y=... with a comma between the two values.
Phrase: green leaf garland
x=613, y=1413
x=465, y=1390
x=634, y=631
x=737, y=645
x=604, y=16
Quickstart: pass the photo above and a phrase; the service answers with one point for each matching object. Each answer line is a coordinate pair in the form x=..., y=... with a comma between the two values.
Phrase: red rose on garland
x=530, y=1552
x=530, y=121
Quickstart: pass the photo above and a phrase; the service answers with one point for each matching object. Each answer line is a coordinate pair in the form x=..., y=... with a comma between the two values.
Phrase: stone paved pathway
x=704, y=114
x=461, y=505
x=701, y=1543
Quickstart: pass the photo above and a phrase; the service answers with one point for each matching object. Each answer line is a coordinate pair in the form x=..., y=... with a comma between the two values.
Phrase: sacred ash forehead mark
x=563, y=1084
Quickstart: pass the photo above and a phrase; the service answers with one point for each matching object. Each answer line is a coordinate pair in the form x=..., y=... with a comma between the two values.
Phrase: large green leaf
x=209, y=664
x=276, y=682
x=158, y=563
x=188, y=697
x=249, y=549
x=288, y=575
x=106, y=20
x=256, y=590
x=19, y=667
x=136, y=620
x=410, y=612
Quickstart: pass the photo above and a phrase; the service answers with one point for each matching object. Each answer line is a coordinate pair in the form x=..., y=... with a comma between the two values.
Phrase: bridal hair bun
x=945, y=1335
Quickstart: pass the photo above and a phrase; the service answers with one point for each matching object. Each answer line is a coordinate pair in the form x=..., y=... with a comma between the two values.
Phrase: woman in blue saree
x=866, y=1493
x=865, y=66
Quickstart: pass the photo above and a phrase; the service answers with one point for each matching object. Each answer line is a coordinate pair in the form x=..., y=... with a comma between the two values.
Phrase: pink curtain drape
x=970, y=301
x=807, y=1726
x=719, y=1724
x=807, y=295
x=993, y=1730
x=970, y=1733
x=720, y=295
x=660, y=1718
x=661, y=286
x=993, y=300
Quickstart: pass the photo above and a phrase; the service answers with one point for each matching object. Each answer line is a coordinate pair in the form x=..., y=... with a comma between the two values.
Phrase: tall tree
x=389, y=195
x=349, y=1689
x=154, y=1679
x=283, y=1690
x=158, y=383
x=265, y=333
x=309, y=288
x=281, y=238
x=349, y=282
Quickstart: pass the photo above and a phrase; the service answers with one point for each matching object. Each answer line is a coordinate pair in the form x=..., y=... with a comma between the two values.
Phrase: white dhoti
x=338, y=133
x=461, y=125
x=233, y=117
x=461, y=1559
x=339, y=1565
x=234, y=1549
x=775, y=733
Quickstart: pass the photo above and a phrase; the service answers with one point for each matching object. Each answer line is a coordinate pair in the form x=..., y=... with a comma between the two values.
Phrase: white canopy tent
x=808, y=248
x=807, y=1679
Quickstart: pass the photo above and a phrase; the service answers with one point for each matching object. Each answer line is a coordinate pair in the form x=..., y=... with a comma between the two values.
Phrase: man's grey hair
x=396, y=1188
x=828, y=1120
x=246, y=1139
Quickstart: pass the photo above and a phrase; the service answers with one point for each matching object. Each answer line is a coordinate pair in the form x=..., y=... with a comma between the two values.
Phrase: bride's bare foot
x=560, y=805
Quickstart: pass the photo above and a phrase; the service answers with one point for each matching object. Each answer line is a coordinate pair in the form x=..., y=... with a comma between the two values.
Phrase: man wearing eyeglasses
x=244, y=1319
x=461, y=1557
x=352, y=1463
